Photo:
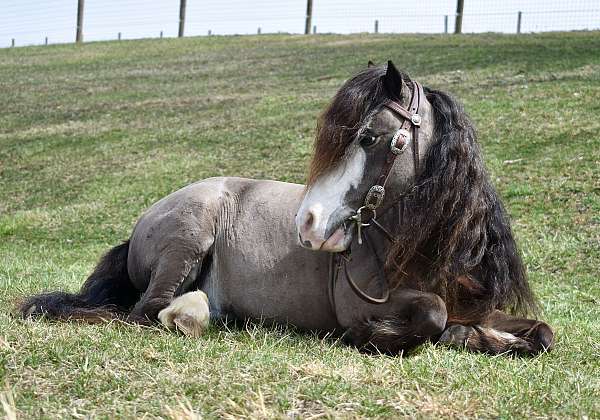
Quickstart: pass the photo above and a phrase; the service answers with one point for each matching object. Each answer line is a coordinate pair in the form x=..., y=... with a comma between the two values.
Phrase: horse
x=398, y=238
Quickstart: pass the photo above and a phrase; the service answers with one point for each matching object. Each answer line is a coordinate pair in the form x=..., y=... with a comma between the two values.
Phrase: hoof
x=188, y=313
x=456, y=335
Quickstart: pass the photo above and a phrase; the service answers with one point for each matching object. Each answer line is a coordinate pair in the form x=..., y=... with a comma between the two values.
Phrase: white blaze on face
x=326, y=196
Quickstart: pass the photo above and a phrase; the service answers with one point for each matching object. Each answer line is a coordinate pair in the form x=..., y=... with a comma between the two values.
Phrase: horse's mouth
x=339, y=240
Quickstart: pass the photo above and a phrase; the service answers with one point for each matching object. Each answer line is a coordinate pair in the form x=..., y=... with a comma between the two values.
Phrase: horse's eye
x=368, y=141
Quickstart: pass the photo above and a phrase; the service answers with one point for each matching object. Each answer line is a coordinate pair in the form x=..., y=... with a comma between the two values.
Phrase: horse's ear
x=370, y=64
x=392, y=80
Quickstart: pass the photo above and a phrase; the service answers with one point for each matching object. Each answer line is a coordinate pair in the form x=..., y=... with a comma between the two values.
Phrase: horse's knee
x=429, y=316
x=188, y=313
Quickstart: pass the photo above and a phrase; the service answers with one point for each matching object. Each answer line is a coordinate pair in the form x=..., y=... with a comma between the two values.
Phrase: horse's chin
x=339, y=241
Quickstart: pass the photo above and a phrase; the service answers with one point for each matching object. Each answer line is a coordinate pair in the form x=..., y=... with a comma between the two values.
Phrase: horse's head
x=363, y=142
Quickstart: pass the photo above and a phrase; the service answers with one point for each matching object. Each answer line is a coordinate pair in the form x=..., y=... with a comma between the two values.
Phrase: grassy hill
x=91, y=135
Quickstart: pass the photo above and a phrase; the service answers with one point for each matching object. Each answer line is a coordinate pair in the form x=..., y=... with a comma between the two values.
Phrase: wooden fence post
x=446, y=24
x=12, y=44
x=308, y=17
x=519, y=22
x=460, y=4
x=376, y=26
x=79, y=33
x=181, y=18
x=46, y=41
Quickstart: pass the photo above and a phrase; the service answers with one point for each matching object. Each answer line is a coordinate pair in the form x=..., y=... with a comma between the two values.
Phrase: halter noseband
x=375, y=195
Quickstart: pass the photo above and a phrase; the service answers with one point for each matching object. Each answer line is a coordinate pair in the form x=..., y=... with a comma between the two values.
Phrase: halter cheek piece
x=398, y=144
x=411, y=121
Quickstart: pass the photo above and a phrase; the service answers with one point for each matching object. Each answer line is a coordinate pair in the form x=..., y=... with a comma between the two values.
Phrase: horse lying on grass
x=397, y=177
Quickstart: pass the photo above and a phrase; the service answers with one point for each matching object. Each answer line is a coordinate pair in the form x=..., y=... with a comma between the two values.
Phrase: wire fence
x=28, y=22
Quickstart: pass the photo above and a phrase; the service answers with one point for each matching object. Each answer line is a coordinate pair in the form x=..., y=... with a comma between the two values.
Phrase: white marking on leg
x=189, y=313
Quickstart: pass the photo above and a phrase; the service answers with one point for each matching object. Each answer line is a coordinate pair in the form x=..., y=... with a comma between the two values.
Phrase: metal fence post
x=519, y=22
x=315, y=29
x=446, y=24
x=258, y=31
x=119, y=36
x=376, y=26
x=12, y=44
x=46, y=41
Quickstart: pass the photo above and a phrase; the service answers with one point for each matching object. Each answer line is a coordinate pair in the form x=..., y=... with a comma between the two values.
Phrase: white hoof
x=189, y=313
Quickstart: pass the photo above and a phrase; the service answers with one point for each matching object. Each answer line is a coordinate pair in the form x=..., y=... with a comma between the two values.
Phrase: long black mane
x=454, y=219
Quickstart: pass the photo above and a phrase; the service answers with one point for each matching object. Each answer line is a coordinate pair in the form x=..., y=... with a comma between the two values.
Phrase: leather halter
x=411, y=121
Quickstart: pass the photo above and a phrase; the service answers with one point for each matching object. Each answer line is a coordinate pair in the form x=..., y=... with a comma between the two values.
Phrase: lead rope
x=340, y=260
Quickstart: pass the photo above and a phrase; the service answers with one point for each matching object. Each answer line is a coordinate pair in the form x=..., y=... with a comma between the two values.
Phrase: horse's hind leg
x=537, y=333
x=501, y=333
x=177, y=262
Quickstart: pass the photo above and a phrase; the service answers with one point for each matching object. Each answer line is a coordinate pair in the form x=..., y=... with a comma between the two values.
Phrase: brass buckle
x=400, y=133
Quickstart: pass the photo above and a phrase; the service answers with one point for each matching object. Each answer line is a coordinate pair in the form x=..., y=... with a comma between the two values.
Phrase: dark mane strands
x=465, y=232
x=339, y=123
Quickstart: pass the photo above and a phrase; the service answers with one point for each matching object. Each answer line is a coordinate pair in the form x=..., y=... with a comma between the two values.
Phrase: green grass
x=92, y=135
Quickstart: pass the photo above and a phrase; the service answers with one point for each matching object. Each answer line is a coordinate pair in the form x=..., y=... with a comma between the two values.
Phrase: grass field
x=92, y=135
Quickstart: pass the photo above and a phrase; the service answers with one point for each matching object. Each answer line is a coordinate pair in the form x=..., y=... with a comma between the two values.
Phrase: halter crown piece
x=411, y=120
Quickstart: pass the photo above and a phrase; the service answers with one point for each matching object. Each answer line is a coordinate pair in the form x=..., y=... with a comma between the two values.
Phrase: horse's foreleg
x=501, y=333
x=421, y=317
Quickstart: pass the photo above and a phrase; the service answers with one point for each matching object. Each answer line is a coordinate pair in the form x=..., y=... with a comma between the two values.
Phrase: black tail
x=106, y=294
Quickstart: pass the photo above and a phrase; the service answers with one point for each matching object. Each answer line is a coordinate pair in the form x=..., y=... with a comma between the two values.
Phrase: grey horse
x=398, y=238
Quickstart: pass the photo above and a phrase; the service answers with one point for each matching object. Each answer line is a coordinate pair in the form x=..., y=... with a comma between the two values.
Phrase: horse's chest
x=273, y=280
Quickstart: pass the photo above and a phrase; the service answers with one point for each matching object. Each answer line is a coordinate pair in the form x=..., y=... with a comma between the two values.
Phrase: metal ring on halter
x=400, y=133
x=357, y=217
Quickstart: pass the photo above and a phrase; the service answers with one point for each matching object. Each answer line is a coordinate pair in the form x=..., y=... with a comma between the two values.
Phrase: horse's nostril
x=309, y=220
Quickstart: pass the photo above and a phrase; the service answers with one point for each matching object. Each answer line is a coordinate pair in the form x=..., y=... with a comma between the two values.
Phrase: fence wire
x=28, y=22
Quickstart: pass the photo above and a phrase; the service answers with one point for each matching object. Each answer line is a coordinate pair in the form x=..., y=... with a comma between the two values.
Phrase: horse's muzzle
x=338, y=241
